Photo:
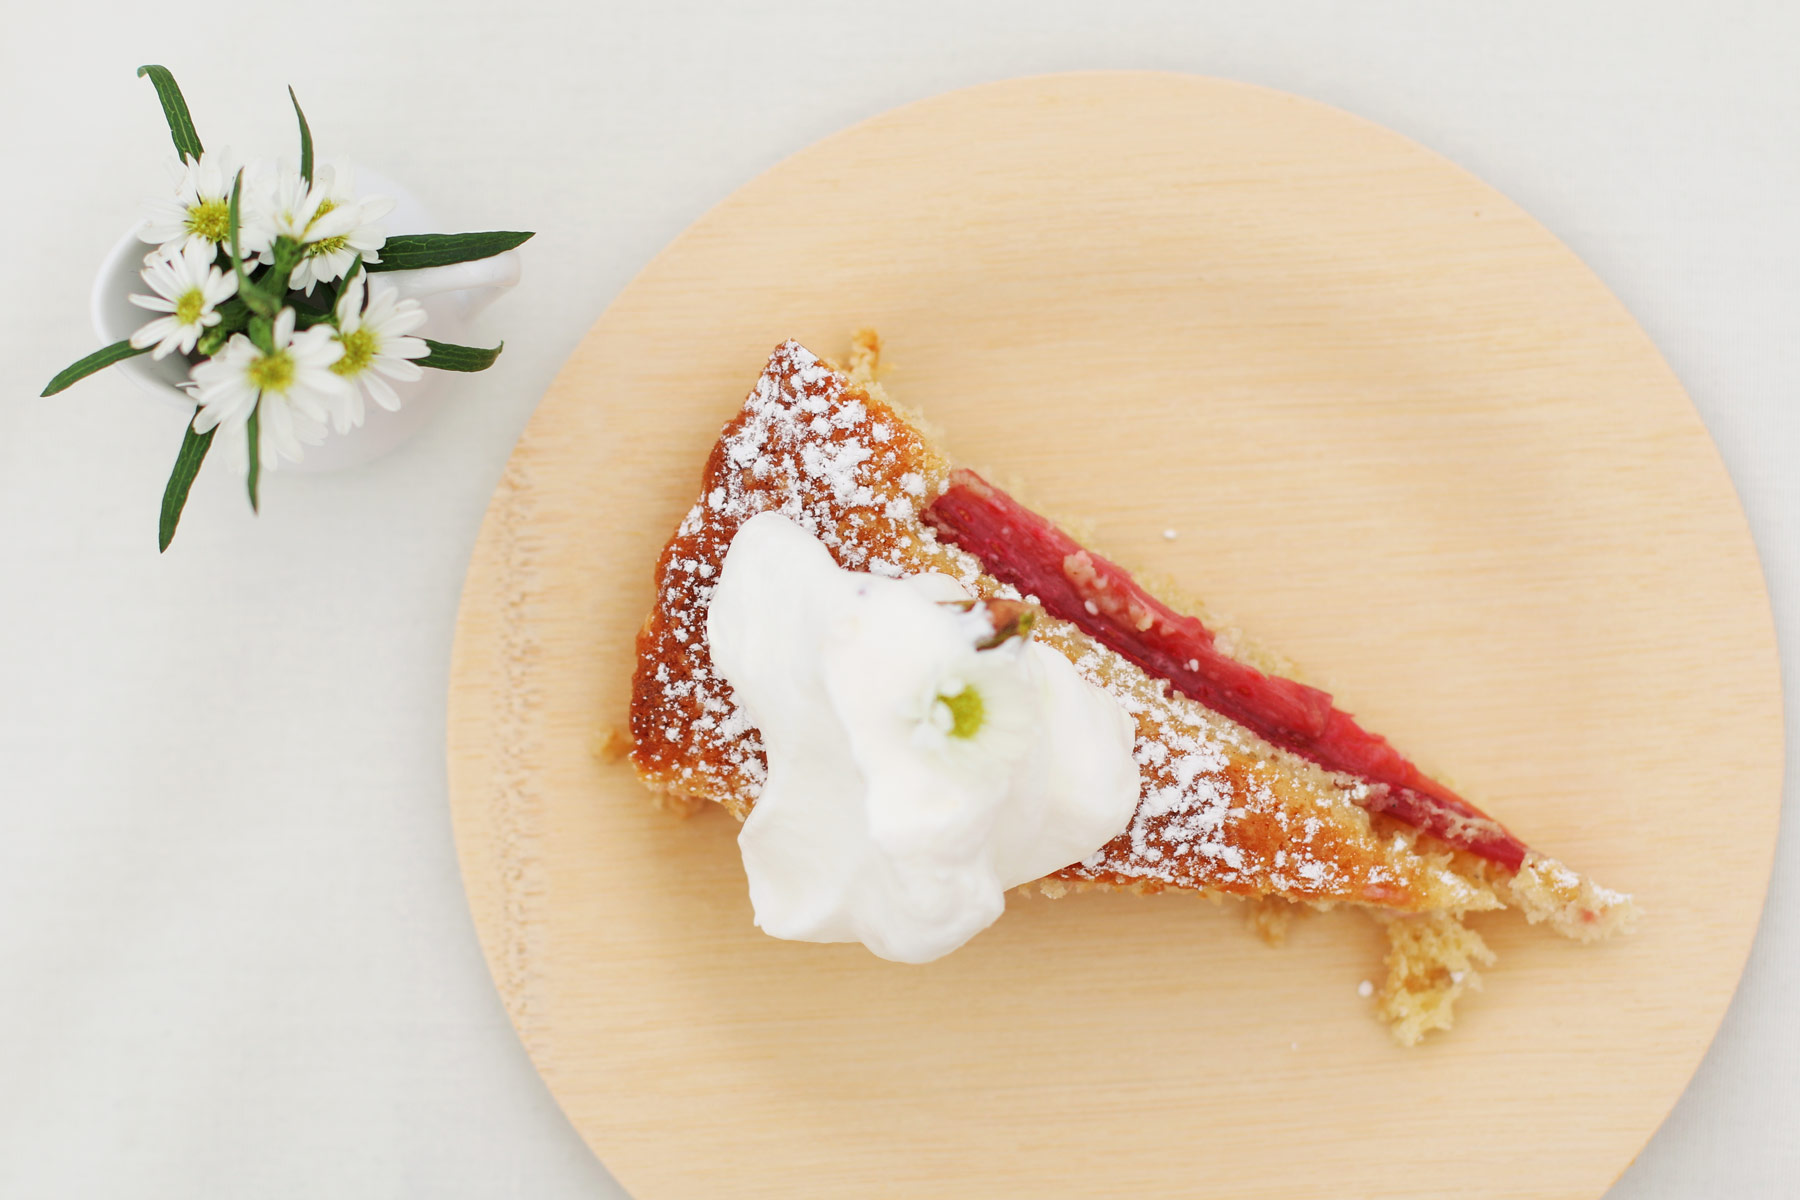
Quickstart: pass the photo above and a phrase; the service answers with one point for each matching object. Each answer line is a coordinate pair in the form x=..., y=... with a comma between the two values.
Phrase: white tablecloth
x=236, y=958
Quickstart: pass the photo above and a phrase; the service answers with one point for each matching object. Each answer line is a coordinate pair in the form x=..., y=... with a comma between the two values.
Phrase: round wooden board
x=1402, y=434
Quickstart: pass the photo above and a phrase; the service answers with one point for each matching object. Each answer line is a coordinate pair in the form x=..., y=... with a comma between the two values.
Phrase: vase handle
x=481, y=281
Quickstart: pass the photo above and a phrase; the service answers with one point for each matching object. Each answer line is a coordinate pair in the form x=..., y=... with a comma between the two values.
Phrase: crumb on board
x=1431, y=962
x=677, y=803
x=865, y=355
x=1270, y=918
x=611, y=745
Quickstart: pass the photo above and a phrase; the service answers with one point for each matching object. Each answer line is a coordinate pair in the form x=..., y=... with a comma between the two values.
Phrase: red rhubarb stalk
x=1021, y=548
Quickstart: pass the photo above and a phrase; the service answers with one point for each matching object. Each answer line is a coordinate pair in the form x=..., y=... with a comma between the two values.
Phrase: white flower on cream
x=198, y=212
x=975, y=714
x=188, y=288
x=912, y=777
x=375, y=342
x=291, y=388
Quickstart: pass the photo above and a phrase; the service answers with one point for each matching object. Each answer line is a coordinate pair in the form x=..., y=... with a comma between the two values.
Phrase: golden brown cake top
x=1220, y=810
x=833, y=459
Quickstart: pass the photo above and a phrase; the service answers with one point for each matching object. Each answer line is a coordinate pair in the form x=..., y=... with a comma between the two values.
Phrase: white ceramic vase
x=450, y=295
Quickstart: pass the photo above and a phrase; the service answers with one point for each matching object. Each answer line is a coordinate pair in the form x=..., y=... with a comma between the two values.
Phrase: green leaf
x=175, y=109
x=309, y=311
x=99, y=360
x=306, y=155
x=233, y=312
x=447, y=356
x=409, y=251
x=253, y=429
x=187, y=465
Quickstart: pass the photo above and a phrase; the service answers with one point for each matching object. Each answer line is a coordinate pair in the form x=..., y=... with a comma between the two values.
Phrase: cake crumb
x=1432, y=960
x=1169, y=535
x=1366, y=988
x=865, y=355
x=678, y=804
x=1270, y=918
x=610, y=745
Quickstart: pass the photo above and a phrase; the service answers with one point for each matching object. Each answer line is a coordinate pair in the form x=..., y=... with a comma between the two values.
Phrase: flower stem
x=262, y=333
x=233, y=316
x=287, y=257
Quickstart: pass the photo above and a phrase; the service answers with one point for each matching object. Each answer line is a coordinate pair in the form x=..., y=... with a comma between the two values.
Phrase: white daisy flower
x=188, y=288
x=375, y=344
x=293, y=388
x=280, y=203
x=200, y=209
x=323, y=218
x=327, y=258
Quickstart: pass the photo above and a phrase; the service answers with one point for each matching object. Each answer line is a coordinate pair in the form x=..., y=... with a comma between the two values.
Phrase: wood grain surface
x=1402, y=434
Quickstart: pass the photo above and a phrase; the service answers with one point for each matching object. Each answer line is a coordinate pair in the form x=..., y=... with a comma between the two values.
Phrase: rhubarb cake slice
x=1252, y=785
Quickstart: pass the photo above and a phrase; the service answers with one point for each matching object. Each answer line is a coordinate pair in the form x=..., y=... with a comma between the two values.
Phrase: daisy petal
x=382, y=392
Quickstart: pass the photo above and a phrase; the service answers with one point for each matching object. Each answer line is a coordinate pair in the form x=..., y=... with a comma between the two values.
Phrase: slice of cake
x=1252, y=785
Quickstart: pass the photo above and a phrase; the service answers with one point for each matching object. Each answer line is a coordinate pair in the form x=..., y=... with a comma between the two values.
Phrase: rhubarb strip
x=1019, y=547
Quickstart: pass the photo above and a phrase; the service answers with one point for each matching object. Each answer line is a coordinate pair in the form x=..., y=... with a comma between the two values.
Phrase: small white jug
x=451, y=296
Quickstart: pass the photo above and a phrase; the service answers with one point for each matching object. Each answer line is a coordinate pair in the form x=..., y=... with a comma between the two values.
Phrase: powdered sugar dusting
x=1220, y=809
x=802, y=447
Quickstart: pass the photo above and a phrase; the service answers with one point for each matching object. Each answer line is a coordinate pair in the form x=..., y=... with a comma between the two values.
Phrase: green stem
x=248, y=292
x=262, y=333
x=233, y=316
x=274, y=283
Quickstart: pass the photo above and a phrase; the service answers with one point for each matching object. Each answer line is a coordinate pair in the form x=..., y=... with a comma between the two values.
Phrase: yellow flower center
x=967, y=712
x=189, y=306
x=325, y=245
x=273, y=372
x=359, y=347
x=210, y=219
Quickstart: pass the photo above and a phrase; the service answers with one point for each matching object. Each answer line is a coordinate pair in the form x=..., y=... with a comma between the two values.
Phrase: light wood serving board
x=1401, y=434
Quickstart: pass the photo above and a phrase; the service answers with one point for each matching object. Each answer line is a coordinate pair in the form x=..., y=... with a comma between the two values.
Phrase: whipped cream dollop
x=913, y=776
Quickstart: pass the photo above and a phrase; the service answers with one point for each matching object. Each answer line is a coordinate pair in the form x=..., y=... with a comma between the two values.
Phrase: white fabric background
x=234, y=953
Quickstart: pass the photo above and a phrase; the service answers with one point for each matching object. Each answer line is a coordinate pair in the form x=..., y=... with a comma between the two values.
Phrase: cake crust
x=1220, y=810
